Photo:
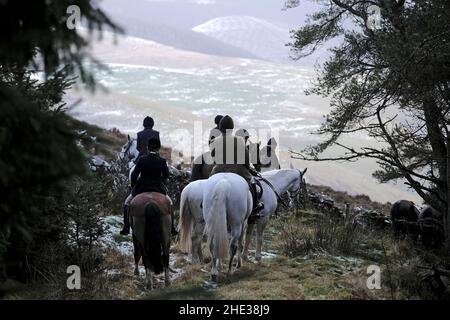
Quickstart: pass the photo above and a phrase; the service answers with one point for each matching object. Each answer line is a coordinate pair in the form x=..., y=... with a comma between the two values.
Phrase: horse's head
x=129, y=151
x=296, y=186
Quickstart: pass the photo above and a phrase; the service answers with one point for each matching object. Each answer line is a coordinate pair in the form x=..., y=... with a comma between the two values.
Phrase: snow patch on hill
x=251, y=34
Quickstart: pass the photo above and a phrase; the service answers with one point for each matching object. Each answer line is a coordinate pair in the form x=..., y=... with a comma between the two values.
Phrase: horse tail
x=186, y=222
x=153, y=237
x=216, y=225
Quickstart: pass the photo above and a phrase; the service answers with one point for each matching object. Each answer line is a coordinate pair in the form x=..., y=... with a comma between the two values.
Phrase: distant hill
x=267, y=40
x=257, y=36
x=184, y=39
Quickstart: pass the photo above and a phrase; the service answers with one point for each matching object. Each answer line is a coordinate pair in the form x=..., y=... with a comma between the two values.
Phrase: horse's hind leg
x=197, y=256
x=137, y=255
x=148, y=279
x=166, y=264
x=248, y=239
x=240, y=247
x=259, y=239
x=233, y=248
x=214, y=270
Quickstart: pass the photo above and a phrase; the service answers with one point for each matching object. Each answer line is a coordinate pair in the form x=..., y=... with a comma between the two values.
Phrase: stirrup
x=258, y=208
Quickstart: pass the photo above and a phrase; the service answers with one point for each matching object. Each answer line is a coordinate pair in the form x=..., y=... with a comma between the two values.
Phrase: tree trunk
x=437, y=139
x=447, y=214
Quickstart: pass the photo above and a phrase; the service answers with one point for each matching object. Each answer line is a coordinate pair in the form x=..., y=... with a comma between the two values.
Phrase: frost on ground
x=264, y=254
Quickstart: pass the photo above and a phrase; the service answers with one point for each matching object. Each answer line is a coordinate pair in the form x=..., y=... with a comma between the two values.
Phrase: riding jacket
x=231, y=155
x=142, y=139
x=153, y=171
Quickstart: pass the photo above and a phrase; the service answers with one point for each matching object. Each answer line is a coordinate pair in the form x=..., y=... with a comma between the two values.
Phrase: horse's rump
x=137, y=205
x=150, y=214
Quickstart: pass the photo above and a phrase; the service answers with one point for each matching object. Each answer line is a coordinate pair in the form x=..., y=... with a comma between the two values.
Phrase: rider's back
x=143, y=137
x=153, y=171
x=231, y=155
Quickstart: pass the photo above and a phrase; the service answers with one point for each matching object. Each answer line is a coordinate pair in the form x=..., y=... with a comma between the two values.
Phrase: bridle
x=127, y=149
x=295, y=193
x=300, y=187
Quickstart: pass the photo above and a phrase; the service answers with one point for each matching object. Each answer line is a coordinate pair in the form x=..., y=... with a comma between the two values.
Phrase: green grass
x=317, y=275
x=121, y=238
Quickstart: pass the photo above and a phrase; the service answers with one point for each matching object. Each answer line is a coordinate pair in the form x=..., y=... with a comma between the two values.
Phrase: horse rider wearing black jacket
x=149, y=175
x=145, y=135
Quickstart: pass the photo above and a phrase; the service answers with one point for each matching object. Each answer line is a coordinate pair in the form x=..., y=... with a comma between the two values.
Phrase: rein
x=127, y=149
x=273, y=189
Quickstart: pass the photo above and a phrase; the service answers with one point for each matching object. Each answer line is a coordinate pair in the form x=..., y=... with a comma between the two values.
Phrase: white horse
x=128, y=155
x=192, y=224
x=227, y=204
x=283, y=180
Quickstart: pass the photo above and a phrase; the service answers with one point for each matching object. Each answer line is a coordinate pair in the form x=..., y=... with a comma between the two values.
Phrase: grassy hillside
x=326, y=268
x=307, y=254
x=97, y=141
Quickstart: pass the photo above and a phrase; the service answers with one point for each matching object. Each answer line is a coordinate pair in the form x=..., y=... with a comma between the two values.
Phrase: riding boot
x=126, y=221
x=257, y=206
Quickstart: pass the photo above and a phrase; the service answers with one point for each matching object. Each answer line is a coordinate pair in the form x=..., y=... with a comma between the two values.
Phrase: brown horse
x=151, y=224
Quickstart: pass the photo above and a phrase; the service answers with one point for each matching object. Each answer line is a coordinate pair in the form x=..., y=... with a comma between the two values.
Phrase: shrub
x=324, y=234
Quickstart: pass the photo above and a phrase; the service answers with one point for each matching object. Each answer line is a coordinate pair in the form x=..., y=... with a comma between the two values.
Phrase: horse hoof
x=214, y=277
x=136, y=272
x=167, y=283
x=148, y=287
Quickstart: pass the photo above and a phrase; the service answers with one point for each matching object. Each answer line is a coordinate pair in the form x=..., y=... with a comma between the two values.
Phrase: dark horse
x=151, y=223
x=202, y=167
x=402, y=212
x=432, y=227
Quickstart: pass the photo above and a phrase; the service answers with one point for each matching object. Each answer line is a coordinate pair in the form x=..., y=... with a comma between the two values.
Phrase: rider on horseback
x=253, y=148
x=238, y=162
x=149, y=175
x=198, y=166
x=269, y=158
x=145, y=135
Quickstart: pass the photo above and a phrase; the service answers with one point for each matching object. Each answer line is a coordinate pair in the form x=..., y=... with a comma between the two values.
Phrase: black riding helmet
x=226, y=124
x=272, y=142
x=217, y=119
x=148, y=122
